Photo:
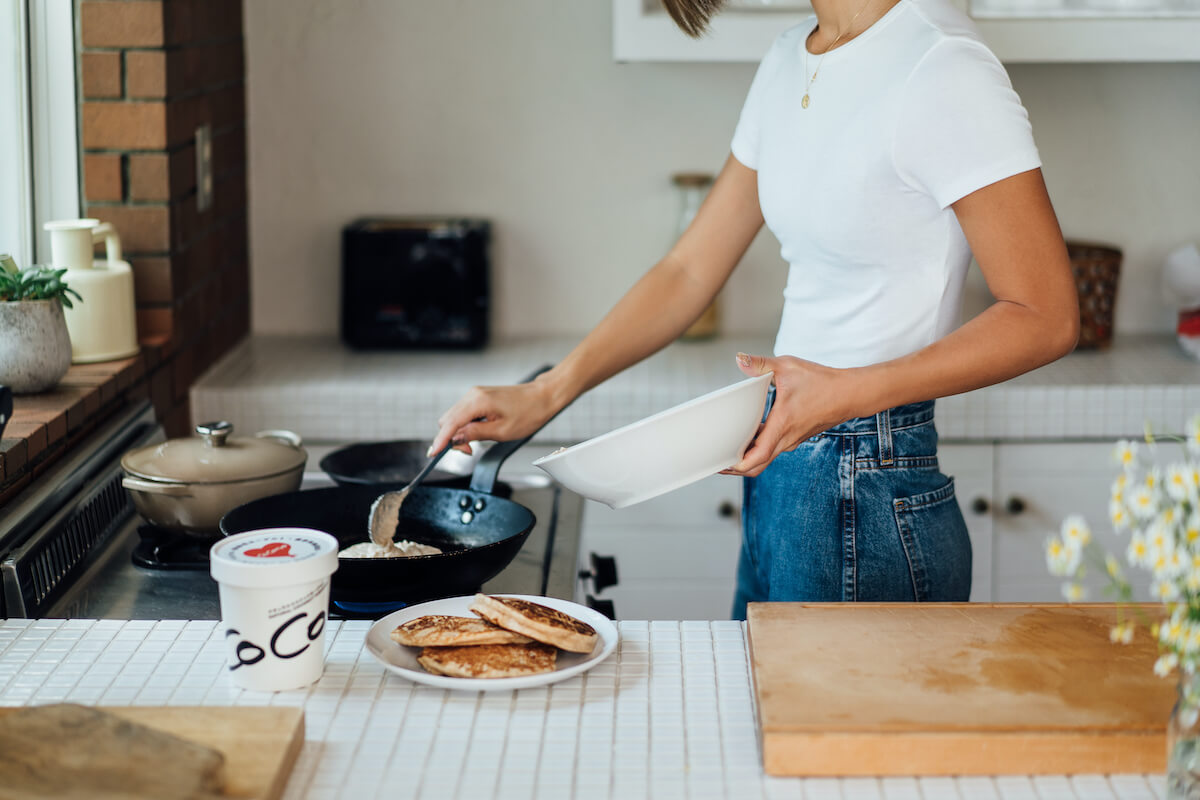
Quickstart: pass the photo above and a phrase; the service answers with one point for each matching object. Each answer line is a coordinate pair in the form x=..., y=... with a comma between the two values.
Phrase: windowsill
x=46, y=425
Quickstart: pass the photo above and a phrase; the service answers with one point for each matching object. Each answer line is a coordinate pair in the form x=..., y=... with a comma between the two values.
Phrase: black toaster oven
x=416, y=282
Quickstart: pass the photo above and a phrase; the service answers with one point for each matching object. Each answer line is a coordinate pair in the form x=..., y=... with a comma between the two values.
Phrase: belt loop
x=883, y=426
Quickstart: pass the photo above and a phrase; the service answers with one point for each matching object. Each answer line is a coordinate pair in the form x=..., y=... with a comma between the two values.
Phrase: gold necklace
x=808, y=83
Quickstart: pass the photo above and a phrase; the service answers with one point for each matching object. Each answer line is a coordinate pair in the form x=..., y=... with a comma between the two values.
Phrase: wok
x=479, y=531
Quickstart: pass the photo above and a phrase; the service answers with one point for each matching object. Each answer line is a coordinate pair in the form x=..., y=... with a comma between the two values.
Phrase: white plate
x=402, y=660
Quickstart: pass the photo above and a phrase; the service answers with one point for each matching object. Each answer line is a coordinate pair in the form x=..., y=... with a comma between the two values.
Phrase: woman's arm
x=1014, y=235
x=652, y=314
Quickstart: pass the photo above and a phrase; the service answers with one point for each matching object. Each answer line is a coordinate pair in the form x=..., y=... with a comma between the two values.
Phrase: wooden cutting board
x=260, y=744
x=954, y=689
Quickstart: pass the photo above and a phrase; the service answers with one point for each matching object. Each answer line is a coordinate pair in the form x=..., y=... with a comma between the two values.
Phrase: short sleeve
x=746, y=135
x=960, y=126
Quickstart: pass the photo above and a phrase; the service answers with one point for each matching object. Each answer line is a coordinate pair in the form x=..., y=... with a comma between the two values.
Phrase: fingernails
x=429, y=452
x=743, y=359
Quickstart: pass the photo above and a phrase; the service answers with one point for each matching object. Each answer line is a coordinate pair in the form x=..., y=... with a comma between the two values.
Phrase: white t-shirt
x=904, y=119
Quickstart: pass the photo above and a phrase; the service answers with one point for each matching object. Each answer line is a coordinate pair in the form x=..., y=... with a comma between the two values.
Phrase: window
x=39, y=128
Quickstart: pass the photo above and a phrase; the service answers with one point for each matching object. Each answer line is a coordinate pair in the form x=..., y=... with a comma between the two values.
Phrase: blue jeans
x=859, y=512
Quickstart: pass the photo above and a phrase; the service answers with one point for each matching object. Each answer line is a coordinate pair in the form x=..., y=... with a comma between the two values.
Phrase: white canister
x=103, y=324
x=274, y=586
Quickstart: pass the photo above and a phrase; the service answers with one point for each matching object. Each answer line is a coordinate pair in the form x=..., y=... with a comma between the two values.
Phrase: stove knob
x=605, y=607
x=603, y=572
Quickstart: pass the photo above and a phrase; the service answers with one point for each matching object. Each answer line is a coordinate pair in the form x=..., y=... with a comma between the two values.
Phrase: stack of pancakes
x=509, y=638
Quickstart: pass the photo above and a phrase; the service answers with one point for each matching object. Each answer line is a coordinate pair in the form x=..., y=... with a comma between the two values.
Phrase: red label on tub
x=272, y=550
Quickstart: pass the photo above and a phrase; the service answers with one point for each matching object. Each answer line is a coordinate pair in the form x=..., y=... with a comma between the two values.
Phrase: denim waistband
x=899, y=417
x=904, y=416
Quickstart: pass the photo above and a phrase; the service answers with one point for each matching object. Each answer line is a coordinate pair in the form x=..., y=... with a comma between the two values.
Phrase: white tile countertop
x=670, y=715
x=325, y=392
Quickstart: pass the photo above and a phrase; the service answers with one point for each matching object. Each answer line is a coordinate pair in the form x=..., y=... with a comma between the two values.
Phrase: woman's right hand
x=495, y=413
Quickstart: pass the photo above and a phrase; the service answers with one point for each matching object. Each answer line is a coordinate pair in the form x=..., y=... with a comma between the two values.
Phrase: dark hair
x=693, y=16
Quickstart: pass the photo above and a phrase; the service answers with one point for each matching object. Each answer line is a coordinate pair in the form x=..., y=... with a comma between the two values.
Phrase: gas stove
x=73, y=546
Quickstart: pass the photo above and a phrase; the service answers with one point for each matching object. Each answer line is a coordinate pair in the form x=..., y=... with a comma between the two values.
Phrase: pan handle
x=483, y=479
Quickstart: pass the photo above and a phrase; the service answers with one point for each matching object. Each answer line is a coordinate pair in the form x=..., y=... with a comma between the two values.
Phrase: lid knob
x=214, y=433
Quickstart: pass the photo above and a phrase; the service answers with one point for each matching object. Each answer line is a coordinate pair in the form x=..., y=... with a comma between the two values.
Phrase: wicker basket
x=1097, y=268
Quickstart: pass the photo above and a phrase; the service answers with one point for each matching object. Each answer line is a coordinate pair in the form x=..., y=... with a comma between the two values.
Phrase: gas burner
x=159, y=548
x=349, y=609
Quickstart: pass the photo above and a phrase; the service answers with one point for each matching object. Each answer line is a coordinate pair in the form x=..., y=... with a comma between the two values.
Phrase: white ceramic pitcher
x=103, y=325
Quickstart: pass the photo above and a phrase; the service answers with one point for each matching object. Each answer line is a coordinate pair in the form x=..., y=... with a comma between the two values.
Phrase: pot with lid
x=188, y=484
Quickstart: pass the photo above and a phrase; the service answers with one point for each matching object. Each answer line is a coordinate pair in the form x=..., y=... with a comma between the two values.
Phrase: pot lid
x=215, y=456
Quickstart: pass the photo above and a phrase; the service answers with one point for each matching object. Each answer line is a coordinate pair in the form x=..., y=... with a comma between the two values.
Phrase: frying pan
x=393, y=464
x=479, y=532
x=384, y=464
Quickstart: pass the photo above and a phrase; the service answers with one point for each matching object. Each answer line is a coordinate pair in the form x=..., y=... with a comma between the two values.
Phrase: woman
x=882, y=144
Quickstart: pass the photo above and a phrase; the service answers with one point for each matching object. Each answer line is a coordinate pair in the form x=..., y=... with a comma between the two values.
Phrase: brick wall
x=152, y=72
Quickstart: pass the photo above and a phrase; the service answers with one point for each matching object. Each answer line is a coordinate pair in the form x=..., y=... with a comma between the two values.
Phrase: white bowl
x=664, y=451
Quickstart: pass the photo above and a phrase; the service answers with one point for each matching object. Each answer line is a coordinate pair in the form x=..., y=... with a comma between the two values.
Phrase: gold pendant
x=804, y=101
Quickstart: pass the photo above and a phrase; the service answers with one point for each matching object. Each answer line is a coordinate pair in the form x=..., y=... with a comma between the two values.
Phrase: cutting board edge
x=274, y=788
x=936, y=754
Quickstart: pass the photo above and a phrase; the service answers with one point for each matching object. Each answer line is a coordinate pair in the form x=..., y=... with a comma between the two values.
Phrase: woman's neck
x=839, y=21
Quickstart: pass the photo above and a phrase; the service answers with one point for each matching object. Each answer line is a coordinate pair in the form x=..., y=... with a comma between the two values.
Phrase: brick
x=14, y=452
x=182, y=169
x=149, y=177
x=154, y=322
x=34, y=434
x=178, y=420
x=220, y=108
x=183, y=371
x=146, y=73
x=203, y=67
x=102, y=180
x=229, y=152
x=53, y=416
x=101, y=74
x=189, y=21
x=11, y=490
x=160, y=390
x=124, y=126
x=121, y=23
x=143, y=229
x=152, y=280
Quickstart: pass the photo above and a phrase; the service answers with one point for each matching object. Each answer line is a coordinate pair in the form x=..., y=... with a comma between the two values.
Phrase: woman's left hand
x=809, y=398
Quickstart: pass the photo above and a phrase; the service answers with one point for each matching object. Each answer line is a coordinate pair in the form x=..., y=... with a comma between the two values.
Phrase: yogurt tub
x=274, y=587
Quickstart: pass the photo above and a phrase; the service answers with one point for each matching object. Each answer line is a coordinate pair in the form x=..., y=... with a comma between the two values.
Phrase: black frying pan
x=479, y=532
x=384, y=464
x=393, y=464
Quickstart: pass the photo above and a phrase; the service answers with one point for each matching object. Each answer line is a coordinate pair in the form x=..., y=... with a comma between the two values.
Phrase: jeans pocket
x=936, y=545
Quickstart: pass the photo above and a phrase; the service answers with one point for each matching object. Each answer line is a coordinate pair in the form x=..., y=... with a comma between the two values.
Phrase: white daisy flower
x=1141, y=502
x=1125, y=454
x=1192, y=581
x=1165, y=663
x=1075, y=531
x=1137, y=553
x=1118, y=515
x=1178, y=481
x=1193, y=434
x=1164, y=590
x=1074, y=592
x=1121, y=634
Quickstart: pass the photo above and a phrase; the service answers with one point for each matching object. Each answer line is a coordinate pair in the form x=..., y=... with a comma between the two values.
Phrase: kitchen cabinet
x=1015, y=495
x=1019, y=31
x=676, y=555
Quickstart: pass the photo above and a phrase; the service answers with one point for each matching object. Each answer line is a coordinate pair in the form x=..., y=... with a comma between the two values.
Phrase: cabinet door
x=1037, y=486
x=676, y=555
x=971, y=466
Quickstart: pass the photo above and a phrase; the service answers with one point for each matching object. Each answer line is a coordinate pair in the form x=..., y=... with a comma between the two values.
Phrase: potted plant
x=35, y=348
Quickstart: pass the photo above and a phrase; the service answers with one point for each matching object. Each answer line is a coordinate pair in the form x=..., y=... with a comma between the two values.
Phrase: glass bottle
x=693, y=186
x=1183, y=741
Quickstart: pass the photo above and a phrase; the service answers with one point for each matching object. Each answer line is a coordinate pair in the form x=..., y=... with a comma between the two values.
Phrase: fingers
x=754, y=365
